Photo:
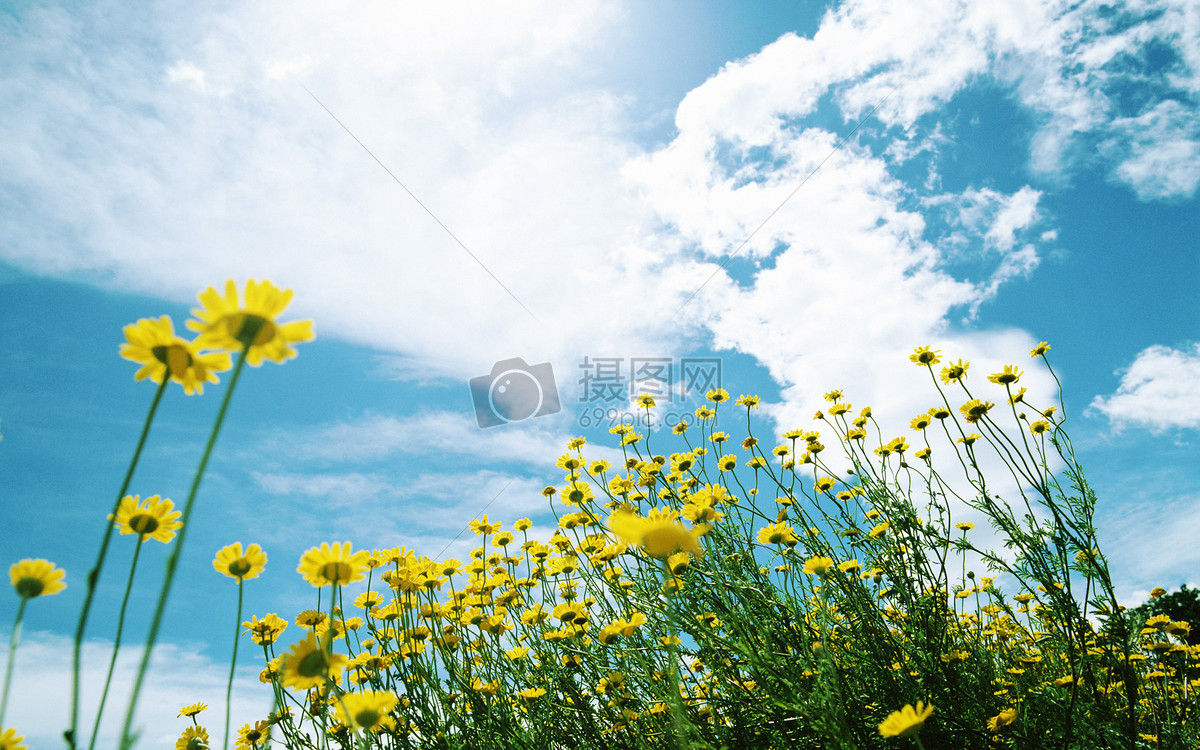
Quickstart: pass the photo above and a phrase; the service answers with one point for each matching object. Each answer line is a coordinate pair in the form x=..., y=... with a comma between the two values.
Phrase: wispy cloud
x=1160, y=390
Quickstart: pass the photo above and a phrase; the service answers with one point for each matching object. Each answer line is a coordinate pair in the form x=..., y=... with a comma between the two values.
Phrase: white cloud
x=179, y=675
x=536, y=441
x=1159, y=153
x=1160, y=390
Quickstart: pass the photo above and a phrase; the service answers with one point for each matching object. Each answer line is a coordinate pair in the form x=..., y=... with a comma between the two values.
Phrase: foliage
x=785, y=596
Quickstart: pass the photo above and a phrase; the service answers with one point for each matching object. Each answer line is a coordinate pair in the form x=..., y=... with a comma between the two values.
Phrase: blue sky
x=1018, y=173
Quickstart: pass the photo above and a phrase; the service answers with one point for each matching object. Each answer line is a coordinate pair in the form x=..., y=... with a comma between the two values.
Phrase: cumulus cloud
x=1160, y=390
x=160, y=153
x=179, y=675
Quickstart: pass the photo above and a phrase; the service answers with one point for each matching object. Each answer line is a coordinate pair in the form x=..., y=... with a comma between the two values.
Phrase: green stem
x=12, y=652
x=94, y=575
x=173, y=559
x=112, y=662
x=237, y=630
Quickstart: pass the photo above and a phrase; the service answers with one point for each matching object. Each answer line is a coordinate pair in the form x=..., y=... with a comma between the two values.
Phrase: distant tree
x=1183, y=604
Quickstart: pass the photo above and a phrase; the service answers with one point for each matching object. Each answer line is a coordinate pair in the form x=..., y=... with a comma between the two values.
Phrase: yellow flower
x=1010, y=374
x=307, y=664
x=778, y=533
x=818, y=565
x=152, y=518
x=717, y=396
x=905, y=722
x=224, y=323
x=922, y=355
x=36, y=578
x=10, y=740
x=193, y=738
x=254, y=736
x=336, y=565
x=239, y=565
x=1002, y=719
x=954, y=372
x=1038, y=427
x=1040, y=350
x=266, y=631
x=152, y=343
x=483, y=526
x=367, y=710
x=192, y=710
x=660, y=533
x=531, y=693
x=974, y=409
x=646, y=401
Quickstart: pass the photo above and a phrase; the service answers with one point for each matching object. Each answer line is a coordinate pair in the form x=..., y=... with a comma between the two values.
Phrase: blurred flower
x=368, y=710
x=224, y=323
x=660, y=533
x=152, y=343
x=308, y=665
x=39, y=577
x=905, y=722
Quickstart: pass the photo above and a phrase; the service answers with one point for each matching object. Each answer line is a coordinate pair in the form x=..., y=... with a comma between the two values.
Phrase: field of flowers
x=726, y=592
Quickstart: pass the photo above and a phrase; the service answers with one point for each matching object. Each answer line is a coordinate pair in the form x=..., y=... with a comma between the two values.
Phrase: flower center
x=367, y=718
x=239, y=568
x=175, y=356
x=336, y=571
x=312, y=665
x=29, y=587
x=251, y=330
x=143, y=524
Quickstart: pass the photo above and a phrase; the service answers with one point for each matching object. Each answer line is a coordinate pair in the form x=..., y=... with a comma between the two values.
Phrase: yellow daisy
x=192, y=710
x=36, y=578
x=10, y=740
x=152, y=518
x=253, y=736
x=152, y=343
x=367, y=710
x=240, y=565
x=905, y=722
x=334, y=564
x=660, y=533
x=307, y=665
x=225, y=323
x=266, y=631
x=193, y=738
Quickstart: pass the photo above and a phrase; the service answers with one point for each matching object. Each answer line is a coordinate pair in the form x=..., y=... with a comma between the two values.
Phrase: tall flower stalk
x=165, y=357
x=250, y=329
x=30, y=579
